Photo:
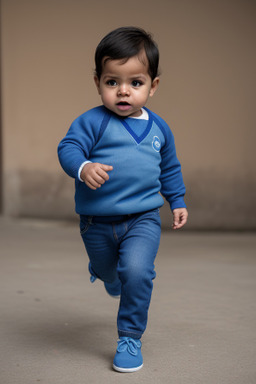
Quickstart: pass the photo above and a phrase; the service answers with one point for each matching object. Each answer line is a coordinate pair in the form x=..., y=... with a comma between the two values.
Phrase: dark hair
x=124, y=43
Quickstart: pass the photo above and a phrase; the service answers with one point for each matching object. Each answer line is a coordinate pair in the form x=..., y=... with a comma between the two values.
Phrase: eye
x=111, y=83
x=136, y=83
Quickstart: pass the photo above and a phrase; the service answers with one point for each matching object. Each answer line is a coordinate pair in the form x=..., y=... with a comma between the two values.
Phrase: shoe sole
x=114, y=297
x=126, y=370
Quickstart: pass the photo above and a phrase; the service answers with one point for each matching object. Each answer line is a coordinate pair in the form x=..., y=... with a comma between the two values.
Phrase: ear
x=97, y=83
x=154, y=86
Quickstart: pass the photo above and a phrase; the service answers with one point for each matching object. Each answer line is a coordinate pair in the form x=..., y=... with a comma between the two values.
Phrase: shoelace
x=129, y=344
x=92, y=278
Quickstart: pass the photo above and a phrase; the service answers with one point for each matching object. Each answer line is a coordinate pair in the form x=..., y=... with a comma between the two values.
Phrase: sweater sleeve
x=172, y=185
x=74, y=149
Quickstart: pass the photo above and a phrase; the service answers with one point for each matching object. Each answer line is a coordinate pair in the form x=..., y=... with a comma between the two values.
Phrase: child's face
x=126, y=86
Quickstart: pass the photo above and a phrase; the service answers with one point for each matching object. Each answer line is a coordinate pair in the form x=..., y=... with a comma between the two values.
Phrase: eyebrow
x=112, y=75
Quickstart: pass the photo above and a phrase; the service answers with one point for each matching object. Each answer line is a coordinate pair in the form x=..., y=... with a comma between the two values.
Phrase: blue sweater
x=143, y=156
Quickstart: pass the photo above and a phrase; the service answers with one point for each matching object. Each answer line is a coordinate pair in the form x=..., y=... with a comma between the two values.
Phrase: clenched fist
x=95, y=174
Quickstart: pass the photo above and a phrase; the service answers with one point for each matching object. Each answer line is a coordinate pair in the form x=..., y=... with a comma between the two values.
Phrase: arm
x=172, y=185
x=74, y=150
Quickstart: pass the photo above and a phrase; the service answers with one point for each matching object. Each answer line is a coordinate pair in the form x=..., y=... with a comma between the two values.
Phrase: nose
x=123, y=90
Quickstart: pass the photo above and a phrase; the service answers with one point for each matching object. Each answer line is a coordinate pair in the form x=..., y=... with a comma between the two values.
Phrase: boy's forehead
x=139, y=60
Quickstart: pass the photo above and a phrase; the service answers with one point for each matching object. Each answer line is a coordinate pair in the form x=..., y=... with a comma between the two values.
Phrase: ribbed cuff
x=80, y=169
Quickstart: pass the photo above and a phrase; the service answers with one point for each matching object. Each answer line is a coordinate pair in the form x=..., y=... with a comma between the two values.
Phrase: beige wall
x=207, y=95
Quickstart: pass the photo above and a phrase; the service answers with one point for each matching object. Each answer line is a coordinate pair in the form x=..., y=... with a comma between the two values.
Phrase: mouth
x=123, y=105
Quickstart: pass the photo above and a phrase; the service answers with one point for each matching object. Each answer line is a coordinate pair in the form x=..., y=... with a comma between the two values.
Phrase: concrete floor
x=56, y=327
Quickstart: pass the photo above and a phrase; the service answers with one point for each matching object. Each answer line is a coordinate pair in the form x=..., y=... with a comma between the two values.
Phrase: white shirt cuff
x=80, y=169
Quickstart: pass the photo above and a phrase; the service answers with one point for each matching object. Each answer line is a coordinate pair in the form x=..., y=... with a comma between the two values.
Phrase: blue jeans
x=125, y=248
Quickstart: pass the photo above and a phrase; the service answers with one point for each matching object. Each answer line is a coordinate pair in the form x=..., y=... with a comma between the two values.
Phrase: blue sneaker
x=128, y=356
x=114, y=289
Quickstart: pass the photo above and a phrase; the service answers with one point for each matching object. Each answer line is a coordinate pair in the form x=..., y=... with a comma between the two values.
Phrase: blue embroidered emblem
x=156, y=144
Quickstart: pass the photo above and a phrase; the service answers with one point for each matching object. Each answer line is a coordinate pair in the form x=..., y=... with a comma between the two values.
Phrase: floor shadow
x=85, y=337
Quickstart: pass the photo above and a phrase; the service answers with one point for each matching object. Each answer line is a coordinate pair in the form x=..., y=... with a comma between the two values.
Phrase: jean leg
x=102, y=249
x=137, y=253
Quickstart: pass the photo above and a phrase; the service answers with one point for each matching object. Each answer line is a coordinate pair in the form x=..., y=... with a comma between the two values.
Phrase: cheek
x=107, y=97
x=143, y=96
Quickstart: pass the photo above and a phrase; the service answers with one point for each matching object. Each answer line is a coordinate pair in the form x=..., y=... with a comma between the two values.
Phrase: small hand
x=180, y=216
x=95, y=174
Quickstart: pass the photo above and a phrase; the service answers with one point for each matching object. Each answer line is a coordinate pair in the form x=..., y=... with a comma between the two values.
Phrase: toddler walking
x=123, y=158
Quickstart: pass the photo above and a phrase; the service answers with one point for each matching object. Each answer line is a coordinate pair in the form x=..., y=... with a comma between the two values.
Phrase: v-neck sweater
x=145, y=165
